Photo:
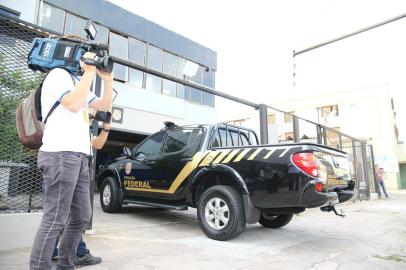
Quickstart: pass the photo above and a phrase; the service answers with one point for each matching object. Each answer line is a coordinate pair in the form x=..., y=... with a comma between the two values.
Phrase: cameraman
x=63, y=161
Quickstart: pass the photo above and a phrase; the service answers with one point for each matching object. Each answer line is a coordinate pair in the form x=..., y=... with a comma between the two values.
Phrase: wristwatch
x=106, y=130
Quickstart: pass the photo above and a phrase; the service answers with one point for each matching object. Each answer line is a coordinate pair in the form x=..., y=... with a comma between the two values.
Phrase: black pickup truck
x=231, y=180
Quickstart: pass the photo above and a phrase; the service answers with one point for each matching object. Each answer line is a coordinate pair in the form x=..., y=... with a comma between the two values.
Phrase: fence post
x=296, y=135
x=263, y=123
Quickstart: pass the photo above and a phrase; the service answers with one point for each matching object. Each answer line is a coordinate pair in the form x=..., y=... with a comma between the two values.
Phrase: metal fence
x=284, y=127
x=21, y=181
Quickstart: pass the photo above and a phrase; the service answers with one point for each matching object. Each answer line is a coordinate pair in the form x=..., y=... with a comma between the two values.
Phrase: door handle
x=150, y=162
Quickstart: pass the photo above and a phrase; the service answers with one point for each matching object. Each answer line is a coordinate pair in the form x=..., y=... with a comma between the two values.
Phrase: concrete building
x=143, y=101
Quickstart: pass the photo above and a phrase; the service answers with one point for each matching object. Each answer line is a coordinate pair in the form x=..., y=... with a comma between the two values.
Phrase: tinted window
x=74, y=26
x=196, y=139
x=136, y=51
x=120, y=72
x=234, y=138
x=154, y=58
x=208, y=78
x=216, y=139
x=195, y=96
x=153, y=83
x=135, y=77
x=181, y=65
x=169, y=88
x=180, y=90
x=207, y=99
x=52, y=18
x=225, y=138
x=152, y=146
x=169, y=64
x=118, y=46
x=177, y=140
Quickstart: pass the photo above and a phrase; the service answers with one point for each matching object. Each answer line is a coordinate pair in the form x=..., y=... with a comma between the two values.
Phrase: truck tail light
x=306, y=162
x=310, y=165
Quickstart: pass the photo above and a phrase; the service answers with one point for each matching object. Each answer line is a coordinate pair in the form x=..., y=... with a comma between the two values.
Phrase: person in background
x=379, y=181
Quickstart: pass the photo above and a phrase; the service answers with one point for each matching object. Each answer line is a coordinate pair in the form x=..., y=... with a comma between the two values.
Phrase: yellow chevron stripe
x=284, y=152
x=255, y=154
x=231, y=155
x=221, y=156
x=209, y=158
x=242, y=154
x=187, y=169
x=269, y=153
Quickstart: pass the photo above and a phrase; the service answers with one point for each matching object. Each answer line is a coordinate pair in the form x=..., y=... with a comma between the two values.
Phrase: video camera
x=66, y=52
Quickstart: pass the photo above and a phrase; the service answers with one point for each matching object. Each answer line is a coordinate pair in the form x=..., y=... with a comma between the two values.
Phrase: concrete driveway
x=371, y=236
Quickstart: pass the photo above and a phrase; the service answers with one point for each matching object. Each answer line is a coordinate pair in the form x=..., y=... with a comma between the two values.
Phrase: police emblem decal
x=128, y=167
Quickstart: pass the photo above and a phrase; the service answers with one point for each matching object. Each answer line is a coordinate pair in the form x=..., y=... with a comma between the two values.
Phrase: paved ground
x=372, y=236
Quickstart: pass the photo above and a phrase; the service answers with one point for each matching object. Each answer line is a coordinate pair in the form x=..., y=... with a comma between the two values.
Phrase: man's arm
x=75, y=99
x=99, y=141
x=105, y=102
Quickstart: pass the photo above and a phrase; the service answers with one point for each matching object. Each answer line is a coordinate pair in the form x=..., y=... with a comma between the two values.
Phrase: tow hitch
x=330, y=208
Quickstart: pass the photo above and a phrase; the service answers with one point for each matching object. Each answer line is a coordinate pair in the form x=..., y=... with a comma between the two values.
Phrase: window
x=216, y=139
x=153, y=83
x=198, y=76
x=152, y=146
x=328, y=111
x=154, y=58
x=289, y=117
x=52, y=18
x=271, y=119
x=225, y=138
x=207, y=99
x=120, y=72
x=102, y=35
x=180, y=67
x=135, y=78
x=169, y=88
x=180, y=90
x=169, y=64
x=136, y=51
x=177, y=140
x=208, y=78
x=75, y=26
x=118, y=46
x=195, y=96
x=187, y=93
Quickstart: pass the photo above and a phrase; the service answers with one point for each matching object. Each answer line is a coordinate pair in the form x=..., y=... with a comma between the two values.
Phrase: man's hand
x=88, y=68
x=107, y=126
x=105, y=76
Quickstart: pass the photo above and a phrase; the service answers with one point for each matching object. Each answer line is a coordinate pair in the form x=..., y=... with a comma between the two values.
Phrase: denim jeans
x=66, y=185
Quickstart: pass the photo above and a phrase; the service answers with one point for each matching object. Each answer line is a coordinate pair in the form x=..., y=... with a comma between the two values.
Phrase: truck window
x=177, y=140
x=225, y=139
x=216, y=139
x=195, y=141
x=152, y=146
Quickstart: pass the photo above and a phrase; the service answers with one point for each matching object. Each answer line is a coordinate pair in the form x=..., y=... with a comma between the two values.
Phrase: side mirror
x=127, y=152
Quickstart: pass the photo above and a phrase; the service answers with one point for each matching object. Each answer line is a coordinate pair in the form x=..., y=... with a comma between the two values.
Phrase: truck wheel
x=220, y=213
x=109, y=195
x=274, y=221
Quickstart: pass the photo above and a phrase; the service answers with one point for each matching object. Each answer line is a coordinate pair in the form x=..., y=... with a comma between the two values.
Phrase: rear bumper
x=312, y=198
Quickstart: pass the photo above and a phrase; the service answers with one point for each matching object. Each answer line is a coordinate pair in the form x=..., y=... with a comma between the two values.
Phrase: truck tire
x=109, y=195
x=274, y=221
x=220, y=213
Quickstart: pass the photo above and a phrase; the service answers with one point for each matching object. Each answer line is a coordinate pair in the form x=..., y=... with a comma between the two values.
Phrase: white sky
x=254, y=40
